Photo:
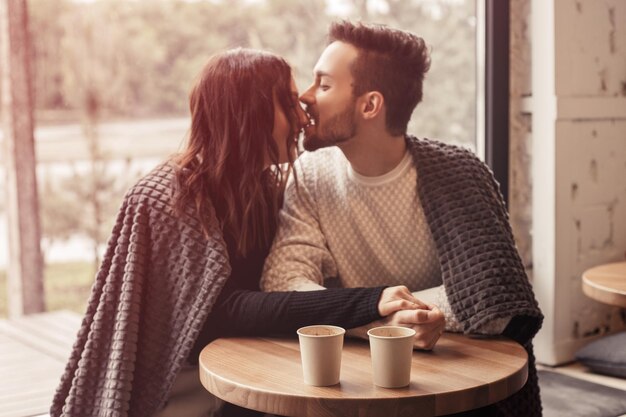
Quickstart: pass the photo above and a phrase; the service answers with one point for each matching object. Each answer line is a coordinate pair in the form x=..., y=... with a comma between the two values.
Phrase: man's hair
x=390, y=61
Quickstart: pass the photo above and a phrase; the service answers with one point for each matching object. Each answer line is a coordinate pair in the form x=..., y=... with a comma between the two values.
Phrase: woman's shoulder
x=155, y=195
x=158, y=184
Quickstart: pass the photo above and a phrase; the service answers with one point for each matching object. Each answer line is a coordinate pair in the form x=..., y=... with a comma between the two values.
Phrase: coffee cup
x=391, y=349
x=320, y=351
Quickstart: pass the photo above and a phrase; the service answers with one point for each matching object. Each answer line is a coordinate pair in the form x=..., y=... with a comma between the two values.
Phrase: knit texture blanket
x=481, y=269
x=140, y=323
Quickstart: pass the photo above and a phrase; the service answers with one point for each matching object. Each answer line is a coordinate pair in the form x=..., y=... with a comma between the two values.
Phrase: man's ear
x=371, y=104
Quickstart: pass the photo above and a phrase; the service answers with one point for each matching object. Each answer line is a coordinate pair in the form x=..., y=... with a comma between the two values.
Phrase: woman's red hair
x=222, y=166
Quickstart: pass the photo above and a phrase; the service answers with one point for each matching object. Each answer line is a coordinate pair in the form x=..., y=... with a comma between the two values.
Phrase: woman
x=185, y=256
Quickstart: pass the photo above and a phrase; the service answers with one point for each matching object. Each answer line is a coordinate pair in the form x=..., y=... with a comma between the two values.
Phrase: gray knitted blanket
x=481, y=269
x=140, y=323
x=137, y=316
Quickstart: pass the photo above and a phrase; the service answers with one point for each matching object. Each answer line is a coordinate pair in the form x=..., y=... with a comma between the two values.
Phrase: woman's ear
x=372, y=104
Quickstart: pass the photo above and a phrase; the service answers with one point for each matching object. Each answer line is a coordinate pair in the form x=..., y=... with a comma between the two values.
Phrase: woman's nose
x=303, y=119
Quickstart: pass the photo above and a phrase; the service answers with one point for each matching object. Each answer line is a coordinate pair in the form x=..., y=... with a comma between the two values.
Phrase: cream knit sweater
x=365, y=231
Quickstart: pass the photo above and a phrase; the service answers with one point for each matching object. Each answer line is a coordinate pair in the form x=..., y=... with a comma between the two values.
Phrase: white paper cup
x=320, y=350
x=392, y=351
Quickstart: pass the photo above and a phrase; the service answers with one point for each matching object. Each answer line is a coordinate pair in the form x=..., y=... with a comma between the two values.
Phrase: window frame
x=492, y=102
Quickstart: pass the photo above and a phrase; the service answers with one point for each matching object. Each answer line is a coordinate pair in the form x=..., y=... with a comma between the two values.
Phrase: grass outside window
x=66, y=285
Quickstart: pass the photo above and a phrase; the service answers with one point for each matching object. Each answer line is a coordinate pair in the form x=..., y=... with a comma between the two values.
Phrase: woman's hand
x=398, y=298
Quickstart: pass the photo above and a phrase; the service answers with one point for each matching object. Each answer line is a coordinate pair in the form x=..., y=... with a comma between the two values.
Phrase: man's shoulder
x=440, y=147
x=441, y=163
x=320, y=170
x=321, y=156
x=443, y=152
x=322, y=162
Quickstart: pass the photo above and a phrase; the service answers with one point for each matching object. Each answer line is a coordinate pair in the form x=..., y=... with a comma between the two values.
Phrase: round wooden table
x=606, y=283
x=460, y=374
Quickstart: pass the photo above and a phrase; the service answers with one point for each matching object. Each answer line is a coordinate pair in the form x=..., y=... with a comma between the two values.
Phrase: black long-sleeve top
x=243, y=310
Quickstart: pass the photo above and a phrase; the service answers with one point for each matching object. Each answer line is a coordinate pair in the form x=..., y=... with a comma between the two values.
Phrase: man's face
x=329, y=100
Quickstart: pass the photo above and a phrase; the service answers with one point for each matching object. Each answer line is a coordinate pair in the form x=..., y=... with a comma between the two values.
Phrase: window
x=493, y=81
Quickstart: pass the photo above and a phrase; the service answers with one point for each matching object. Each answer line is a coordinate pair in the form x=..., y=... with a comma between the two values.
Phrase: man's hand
x=398, y=298
x=428, y=323
x=399, y=307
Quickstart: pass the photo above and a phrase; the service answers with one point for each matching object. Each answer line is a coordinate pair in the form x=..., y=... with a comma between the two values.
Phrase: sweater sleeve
x=299, y=259
x=254, y=313
x=438, y=297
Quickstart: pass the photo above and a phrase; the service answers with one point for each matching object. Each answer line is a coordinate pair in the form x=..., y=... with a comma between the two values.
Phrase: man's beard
x=336, y=130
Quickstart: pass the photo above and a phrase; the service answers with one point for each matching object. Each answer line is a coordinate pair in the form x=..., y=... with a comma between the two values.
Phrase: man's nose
x=308, y=97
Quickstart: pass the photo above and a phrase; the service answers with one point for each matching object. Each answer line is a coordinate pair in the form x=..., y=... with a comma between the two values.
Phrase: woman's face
x=284, y=130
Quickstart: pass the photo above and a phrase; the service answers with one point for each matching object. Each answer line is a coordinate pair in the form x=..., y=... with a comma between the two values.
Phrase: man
x=375, y=206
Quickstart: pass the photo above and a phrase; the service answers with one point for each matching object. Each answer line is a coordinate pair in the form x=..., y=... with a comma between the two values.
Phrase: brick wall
x=568, y=163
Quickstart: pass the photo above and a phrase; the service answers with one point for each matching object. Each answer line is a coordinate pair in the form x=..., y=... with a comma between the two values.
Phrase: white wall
x=578, y=111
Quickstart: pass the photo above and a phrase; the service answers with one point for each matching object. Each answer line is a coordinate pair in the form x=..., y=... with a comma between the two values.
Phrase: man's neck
x=375, y=155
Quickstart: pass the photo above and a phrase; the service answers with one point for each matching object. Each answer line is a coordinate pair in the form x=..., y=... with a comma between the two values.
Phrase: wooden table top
x=460, y=374
x=606, y=283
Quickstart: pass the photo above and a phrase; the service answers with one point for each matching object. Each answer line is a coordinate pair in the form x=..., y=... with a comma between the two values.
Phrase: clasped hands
x=399, y=307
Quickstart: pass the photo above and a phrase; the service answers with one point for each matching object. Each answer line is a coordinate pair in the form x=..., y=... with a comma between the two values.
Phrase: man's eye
x=324, y=87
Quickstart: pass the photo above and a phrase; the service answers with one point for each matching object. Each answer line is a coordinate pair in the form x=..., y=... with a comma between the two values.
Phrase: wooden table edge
x=603, y=294
x=310, y=404
x=514, y=381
